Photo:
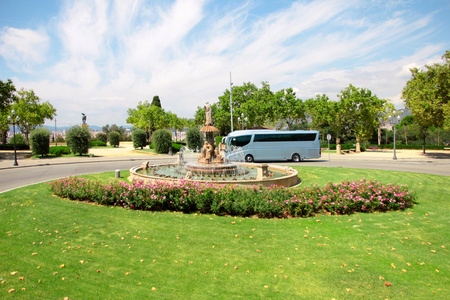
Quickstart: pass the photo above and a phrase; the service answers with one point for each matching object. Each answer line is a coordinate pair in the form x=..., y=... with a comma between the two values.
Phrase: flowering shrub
x=345, y=197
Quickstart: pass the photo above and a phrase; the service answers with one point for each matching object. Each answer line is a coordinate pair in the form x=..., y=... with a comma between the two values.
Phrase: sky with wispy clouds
x=101, y=57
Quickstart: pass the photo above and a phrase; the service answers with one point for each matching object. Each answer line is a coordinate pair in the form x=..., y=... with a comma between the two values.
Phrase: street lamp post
x=13, y=121
x=231, y=102
x=242, y=120
x=394, y=120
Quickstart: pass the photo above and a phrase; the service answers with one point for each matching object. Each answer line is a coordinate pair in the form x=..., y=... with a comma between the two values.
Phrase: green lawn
x=61, y=248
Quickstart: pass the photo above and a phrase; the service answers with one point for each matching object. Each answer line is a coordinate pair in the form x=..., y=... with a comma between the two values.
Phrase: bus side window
x=241, y=141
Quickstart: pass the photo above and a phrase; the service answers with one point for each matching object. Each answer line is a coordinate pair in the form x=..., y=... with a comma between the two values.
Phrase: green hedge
x=409, y=147
x=176, y=147
x=97, y=144
x=345, y=197
x=11, y=147
x=59, y=150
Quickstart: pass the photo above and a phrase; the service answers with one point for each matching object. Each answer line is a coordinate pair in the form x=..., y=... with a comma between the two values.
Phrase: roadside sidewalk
x=127, y=154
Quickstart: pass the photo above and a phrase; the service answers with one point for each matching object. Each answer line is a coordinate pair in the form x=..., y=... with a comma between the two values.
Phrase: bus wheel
x=296, y=157
x=249, y=158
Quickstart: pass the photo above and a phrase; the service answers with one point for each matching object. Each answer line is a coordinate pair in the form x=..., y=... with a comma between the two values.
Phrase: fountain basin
x=283, y=176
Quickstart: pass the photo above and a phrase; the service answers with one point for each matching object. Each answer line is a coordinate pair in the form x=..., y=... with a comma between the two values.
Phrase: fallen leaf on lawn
x=81, y=261
x=23, y=289
x=387, y=283
x=348, y=290
x=235, y=267
x=33, y=253
x=61, y=266
x=392, y=265
x=21, y=278
x=127, y=273
x=56, y=273
x=13, y=273
x=266, y=286
x=11, y=290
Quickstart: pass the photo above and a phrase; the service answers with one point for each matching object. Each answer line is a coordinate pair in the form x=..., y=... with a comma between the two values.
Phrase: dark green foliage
x=11, y=147
x=176, y=147
x=162, y=139
x=103, y=137
x=60, y=139
x=59, y=150
x=20, y=140
x=218, y=140
x=77, y=139
x=97, y=144
x=194, y=138
x=156, y=101
x=410, y=147
x=40, y=141
x=139, y=138
x=114, y=139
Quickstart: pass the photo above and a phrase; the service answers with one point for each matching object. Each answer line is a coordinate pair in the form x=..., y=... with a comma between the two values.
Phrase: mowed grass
x=61, y=248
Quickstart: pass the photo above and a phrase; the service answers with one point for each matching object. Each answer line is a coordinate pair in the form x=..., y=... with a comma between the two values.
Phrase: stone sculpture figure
x=83, y=118
x=208, y=114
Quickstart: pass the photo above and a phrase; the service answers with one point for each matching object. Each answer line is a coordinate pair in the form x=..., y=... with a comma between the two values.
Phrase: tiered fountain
x=212, y=167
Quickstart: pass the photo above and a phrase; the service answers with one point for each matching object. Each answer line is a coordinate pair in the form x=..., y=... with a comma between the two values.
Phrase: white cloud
x=22, y=48
x=115, y=53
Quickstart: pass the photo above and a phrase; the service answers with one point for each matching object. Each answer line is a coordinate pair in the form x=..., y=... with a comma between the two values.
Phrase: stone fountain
x=210, y=160
x=212, y=167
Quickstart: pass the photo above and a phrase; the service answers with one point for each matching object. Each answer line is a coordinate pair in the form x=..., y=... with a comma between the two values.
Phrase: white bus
x=274, y=145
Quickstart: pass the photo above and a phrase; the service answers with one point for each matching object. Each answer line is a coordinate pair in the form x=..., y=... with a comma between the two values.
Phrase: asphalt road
x=32, y=171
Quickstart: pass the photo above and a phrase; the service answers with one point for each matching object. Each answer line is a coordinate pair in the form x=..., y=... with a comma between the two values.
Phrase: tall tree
x=156, y=101
x=31, y=112
x=7, y=90
x=427, y=94
x=363, y=109
x=288, y=108
x=148, y=117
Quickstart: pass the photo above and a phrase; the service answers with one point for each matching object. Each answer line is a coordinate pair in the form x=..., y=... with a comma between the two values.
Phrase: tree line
x=26, y=105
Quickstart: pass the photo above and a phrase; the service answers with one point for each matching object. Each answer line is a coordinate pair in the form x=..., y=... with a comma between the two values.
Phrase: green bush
x=97, y=144
x=20, y=140
x=102, y=137
x=139, y=138
x=194, y=138
x=78, y=139
x=114, y=139
x=176, y=147
x=410, y=147
x=162, y=139
x=218, y=140
x=40, y=141
x=60, y=139
x=59, y=150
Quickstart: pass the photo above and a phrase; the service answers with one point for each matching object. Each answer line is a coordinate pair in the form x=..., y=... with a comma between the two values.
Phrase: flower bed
x=345, y=197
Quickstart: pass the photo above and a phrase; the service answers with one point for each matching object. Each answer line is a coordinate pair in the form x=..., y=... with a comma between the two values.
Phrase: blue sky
x=102, y=57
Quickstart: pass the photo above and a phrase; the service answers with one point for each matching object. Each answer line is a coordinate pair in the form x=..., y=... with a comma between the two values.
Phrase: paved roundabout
x=32, y=171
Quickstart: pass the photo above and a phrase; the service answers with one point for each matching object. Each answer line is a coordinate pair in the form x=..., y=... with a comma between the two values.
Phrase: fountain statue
x=210, y=154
